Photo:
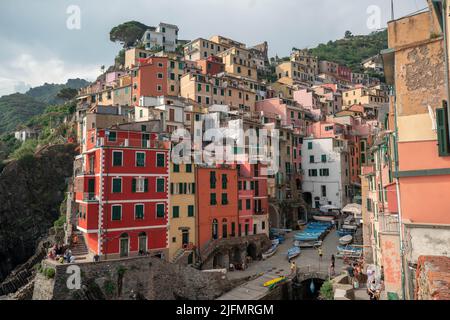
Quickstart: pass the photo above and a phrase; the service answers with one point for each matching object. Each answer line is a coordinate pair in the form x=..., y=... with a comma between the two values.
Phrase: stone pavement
x=278, y=265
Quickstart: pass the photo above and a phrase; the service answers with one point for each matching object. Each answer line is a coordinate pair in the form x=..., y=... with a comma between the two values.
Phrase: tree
x=348, y=34
x=128, y=33
x=67, y=93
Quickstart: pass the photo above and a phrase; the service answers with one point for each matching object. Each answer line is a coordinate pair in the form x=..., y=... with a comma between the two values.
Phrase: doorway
x=124, y=245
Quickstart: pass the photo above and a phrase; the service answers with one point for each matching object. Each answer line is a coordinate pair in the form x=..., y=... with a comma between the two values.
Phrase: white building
x=170, y=109
x=326, y=176
x=164, y=36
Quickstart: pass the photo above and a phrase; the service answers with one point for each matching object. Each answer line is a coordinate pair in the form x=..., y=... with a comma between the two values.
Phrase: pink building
x=308, y=100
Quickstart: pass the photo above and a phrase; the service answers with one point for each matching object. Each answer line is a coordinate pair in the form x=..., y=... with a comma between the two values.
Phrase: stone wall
x=433, y=278
x=137, y=278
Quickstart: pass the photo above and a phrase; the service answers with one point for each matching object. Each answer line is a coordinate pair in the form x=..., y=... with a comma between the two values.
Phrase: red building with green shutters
x=122, y=192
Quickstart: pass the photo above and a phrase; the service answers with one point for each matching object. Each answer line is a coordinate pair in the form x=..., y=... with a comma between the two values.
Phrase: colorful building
x=122, y=192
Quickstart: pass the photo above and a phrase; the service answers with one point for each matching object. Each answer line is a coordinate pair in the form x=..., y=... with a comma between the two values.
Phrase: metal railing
x=388, y=223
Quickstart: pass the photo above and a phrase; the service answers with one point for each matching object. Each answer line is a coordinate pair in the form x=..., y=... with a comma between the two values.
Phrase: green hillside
x=16, y=109
x=351, y=50
x=47, y=93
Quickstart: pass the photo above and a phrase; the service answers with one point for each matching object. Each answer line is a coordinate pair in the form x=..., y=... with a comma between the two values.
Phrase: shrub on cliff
x=326, y=291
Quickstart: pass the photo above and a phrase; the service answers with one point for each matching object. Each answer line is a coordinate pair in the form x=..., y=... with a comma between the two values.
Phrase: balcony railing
x=90, y=197
x=388, y=223
x=131, y=143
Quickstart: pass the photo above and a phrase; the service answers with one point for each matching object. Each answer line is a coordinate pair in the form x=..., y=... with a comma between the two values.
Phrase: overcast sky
x=37, y=47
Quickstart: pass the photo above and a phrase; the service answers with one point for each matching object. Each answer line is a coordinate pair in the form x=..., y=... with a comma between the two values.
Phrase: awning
x=353, y=208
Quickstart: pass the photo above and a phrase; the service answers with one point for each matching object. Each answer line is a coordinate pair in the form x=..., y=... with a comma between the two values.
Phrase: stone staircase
x=80, y=249
x=181, y=253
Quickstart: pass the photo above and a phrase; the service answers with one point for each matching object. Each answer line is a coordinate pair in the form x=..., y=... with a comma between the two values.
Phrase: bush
x=60, y=222
x=50, y=273
x=326, y=291
x=26, y=149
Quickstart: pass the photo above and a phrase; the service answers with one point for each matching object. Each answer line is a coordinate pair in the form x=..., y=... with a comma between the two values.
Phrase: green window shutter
x=252, y=185
x=139, y=211
x=112, y=136
x=116, y=213
x=175, y=211
x=171, y=188
x=193, y=188
x=180, y=188
x=160, y=160
x=160, y=210
x=240, y=204
x=199, y=87
x=224, y=198
x=145, y=185
x=189, y=168
x=133, y=185
x=311, y=159
x=310, y=145
x=324, y=158
x=213, y=200
x=248, y=204
x=442, y=132
x=224, y=181
x=117, y=159
x=176, y=168
x=160, y=185
x=140, y=159
x=190, y=211
x=117, y=185
x=212, y=179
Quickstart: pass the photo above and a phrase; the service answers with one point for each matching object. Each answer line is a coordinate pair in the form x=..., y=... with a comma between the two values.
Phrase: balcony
x=131, y=143
x=90, y=197
x=389, y=223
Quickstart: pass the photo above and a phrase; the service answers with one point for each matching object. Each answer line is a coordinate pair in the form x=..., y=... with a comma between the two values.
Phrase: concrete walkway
x=278, y=266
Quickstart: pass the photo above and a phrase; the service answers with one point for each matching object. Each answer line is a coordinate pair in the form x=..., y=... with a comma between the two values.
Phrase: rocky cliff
x=31, y=191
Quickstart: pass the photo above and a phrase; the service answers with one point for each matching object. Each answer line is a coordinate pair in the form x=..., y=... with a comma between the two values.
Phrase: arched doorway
x=274, y=216
x=235, y=255
x=124, y=245
x=218, y=261
x=142, y=243
x=308, y=289
x=252, y=250
x=215, y=229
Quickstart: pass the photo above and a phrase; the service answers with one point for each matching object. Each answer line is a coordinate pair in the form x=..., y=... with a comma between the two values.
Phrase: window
x=112, y=137
x=160, y=210
x=239, y=205
x=139, y=185
x=442, y=131
x=212, y=179
x=176, y=167
x=213, y=199
x=160, y=75
x=199, y=87
x=224, y=198
x=160, y=185
x=324, y=172
x=312, y=172
x=324, y=158
x=116, y=213
x=159, y=87
x=117, y=185
x=310, y=145
x=117, y=158
x=324, y=191
x=224, y=181
x=160, y=160
x=311, y=159
x=139, y=211
x=140, y=159
x=248, y=204
x=175, y=211
x=190, y=211
x=189, y=168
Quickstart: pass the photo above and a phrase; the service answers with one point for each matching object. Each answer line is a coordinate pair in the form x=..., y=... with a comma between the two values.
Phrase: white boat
x=349, y=227
x=270, y=252
x=307, y=244
x=346, y=240
x=323, y=218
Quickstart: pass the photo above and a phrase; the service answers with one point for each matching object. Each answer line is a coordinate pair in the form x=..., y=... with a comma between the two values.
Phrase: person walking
x=320, y=253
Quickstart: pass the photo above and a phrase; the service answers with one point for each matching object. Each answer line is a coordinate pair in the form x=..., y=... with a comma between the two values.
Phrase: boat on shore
x=346, y=240
x=323, y=218
x=307, y=244
x=272, y=283
x=293, y=253
x=269, y=253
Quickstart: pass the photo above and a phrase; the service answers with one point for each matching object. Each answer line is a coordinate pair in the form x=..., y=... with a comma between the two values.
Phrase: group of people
x=58, y=253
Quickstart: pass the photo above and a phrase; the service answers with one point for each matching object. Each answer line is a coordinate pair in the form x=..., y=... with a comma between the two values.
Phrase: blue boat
x=293, y=253
x=343, y=233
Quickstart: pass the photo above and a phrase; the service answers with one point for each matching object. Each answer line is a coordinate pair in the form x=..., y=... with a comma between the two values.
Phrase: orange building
x=211, y=65
x=217, y=203
x=149, y=78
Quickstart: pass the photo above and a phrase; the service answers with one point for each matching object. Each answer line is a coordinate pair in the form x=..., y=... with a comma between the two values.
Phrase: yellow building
x=201, y=49
x=294, y=71
x=133, y=54
x=364, y=96
x=208, y=90
x=182, y=213
x=239, y=62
